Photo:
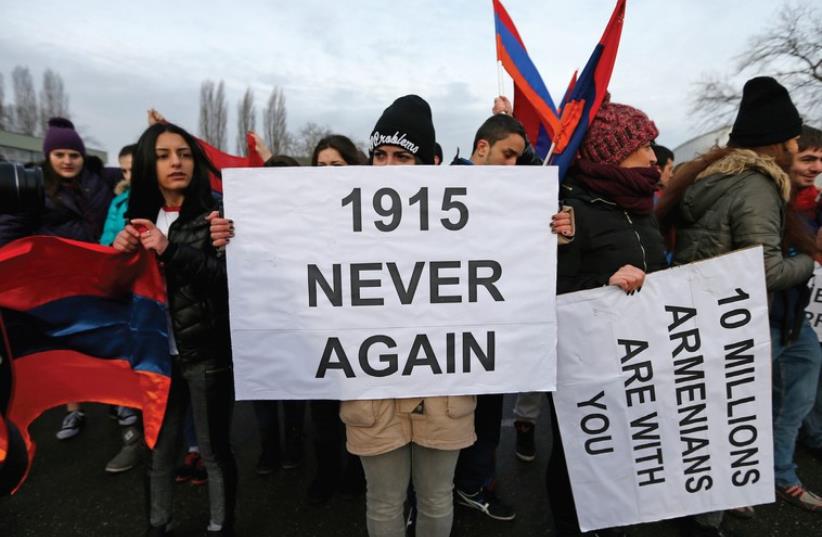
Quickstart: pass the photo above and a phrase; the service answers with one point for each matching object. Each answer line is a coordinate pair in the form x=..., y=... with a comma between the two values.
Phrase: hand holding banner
x=664, y=398
x=404, y=281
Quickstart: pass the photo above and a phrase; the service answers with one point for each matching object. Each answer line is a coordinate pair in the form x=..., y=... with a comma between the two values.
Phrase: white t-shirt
x=165, y=218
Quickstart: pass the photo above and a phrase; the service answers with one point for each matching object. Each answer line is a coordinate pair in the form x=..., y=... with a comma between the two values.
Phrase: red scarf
x=630, y=188
x=807, y=202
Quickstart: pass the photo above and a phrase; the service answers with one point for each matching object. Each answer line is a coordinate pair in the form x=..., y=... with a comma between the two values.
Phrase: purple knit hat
x=617, y=131
x=61, y=135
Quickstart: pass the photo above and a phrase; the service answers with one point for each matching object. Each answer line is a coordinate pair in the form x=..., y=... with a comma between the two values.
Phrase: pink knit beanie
x=617, y=131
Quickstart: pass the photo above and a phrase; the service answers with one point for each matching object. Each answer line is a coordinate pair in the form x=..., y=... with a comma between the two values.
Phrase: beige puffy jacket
x=374, y=427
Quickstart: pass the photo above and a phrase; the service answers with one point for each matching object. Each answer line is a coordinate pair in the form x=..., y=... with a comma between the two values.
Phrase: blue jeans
x=795, y=381
x=812, y=428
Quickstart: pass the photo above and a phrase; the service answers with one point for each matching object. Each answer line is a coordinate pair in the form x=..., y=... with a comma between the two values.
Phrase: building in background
x=701, y=144
x=24, y=148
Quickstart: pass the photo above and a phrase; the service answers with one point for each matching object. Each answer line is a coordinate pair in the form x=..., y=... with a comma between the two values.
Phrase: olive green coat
x=738, y=202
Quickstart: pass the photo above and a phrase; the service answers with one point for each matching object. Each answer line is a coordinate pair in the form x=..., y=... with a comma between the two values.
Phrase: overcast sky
x=341, y=63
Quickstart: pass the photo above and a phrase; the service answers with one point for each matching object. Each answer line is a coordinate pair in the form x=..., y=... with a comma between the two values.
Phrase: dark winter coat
x=76, y=211
x=607, y=237
x=739, y=202
x=197, y=291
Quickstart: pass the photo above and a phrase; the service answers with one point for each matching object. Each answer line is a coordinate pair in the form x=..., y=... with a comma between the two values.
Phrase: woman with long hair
x=737, y=197
x=170, y=199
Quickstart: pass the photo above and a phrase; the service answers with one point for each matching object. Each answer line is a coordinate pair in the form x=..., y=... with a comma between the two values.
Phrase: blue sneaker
x=72, y=423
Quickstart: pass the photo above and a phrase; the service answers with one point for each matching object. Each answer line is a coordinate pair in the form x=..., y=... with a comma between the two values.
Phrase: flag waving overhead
x=222, y=160
x=84, y=323
x=582, y=103
x=533, y=105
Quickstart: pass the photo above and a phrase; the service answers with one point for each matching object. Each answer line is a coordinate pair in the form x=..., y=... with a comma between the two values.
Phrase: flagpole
x=499, y=78
x=550, y=152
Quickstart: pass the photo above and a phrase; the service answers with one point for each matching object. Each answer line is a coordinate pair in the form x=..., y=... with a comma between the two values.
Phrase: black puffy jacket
x=607, y=237
x=197, y=291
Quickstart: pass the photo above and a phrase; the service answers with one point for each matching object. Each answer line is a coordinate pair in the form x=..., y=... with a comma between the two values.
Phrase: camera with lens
x=21, y=188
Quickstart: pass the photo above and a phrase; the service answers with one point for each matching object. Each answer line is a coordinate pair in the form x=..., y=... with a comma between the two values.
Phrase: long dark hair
x=343, y=145
x=52, y=180
x=146, y=199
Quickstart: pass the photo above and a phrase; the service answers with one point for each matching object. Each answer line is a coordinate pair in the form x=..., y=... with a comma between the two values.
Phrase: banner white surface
x=664, y=397
x=380, y=282
x=814, y=310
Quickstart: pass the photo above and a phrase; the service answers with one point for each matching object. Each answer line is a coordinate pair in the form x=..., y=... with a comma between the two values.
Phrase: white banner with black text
x=380, y=282
x=814, y=310
x=664, y=396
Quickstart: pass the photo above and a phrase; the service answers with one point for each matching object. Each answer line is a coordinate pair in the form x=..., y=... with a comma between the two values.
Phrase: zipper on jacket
x=639, y=240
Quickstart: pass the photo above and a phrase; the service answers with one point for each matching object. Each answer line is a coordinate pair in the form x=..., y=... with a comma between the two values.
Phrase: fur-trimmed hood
x=741, y=160
x=741, y=171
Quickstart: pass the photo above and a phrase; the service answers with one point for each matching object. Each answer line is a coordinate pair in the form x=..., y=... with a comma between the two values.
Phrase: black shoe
x=267, y=464
x=185, y=471
x=319, y=492
x=158, y=531
x=486, y=501
x=293, y=449
x=526, y=446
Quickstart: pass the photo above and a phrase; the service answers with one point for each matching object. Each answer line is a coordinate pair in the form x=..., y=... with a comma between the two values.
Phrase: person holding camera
x=77, y=197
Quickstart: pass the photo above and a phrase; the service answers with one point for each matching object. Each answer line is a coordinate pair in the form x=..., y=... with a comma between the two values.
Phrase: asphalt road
x=68, y=494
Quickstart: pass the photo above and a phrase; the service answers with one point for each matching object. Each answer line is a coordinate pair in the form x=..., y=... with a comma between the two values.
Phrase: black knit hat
x=766, y=115
x=406, y=124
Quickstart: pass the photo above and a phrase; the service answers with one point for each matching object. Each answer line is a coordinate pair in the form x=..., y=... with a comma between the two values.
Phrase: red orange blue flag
x=558, y=130
x=533, y=105
x=583, y=100
x=84, y=323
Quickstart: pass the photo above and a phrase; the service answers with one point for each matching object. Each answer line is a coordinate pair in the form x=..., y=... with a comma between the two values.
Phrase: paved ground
x=68, y=494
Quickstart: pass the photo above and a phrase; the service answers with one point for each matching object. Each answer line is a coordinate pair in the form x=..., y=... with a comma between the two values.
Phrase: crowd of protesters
x=626, y=211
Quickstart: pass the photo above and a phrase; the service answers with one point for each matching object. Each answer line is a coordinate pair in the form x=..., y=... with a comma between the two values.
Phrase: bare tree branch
x=53, y=99
x=206, y=98
x=789, y=49
x=246, y=120
x=25, y=101
x=274, y=123
x=220, y=114
x=308, y=137
x=714, y=101
x=213, y=114
x=4, y=113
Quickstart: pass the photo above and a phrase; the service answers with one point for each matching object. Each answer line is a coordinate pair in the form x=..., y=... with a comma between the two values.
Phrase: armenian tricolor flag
x=558, y=130
x=533, y=105
x=84, y=323
x=583, y=100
